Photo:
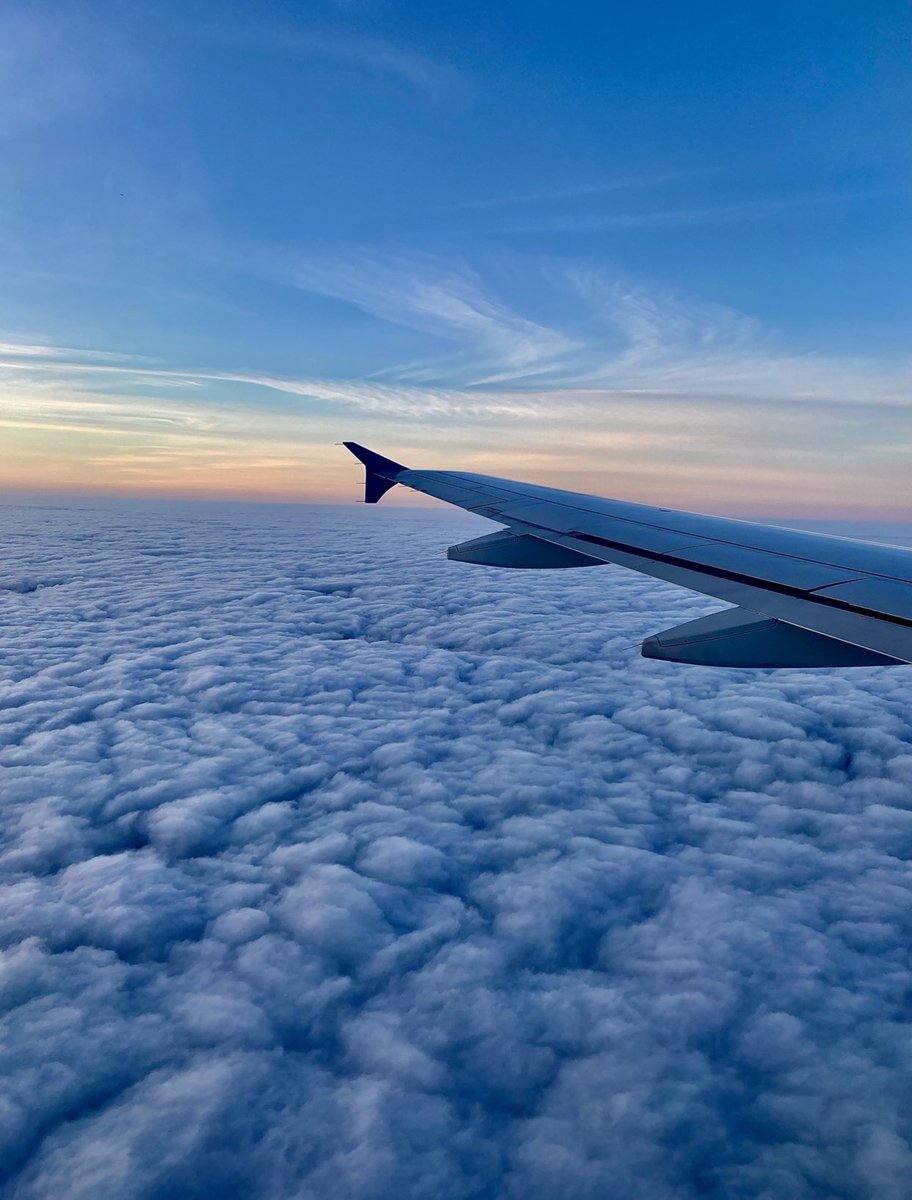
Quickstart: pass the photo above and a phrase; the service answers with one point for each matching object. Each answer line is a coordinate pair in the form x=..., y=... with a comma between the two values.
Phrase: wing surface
x=853, y=599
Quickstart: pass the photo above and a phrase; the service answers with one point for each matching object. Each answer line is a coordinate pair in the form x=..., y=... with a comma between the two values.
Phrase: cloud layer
x=331, y=867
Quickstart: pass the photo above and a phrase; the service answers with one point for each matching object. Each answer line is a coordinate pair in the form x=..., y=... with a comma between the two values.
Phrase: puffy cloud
x=332, y=867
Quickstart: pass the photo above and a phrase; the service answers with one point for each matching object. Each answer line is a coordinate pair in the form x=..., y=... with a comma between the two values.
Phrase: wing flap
x=735, y=638
x=520, y=550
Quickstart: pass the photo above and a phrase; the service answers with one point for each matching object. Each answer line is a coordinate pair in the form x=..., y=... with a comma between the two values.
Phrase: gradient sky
x=656, y=250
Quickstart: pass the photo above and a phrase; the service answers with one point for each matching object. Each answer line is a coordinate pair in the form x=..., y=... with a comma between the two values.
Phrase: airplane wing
x=801, y=599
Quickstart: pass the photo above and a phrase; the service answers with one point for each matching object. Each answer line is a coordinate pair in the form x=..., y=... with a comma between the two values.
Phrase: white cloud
x=59, y=63
x=734, y=213
x=721, y=413
x=580, y=191
x=329, y=865
x=437, y=80
x=426, y=293
x=39, y=352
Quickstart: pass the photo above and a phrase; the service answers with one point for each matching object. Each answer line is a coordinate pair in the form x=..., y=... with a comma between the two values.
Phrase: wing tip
x=380, y=473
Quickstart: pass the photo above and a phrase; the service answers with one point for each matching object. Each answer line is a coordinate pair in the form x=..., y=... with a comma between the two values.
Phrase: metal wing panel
x=875, y=595
x=868, y=558
x=773, y=568
x=559, y=519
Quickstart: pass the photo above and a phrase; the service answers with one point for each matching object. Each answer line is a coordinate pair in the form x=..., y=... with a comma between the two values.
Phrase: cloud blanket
x=333, y=868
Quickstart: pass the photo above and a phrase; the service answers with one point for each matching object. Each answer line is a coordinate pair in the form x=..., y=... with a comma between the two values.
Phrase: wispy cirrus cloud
x=57, y=62
x=636, y=339
x=437, y=80
x=40, y=351
x=445, y=299
x=737, y=212
x=671, y=395
x=581, y=191
x=621, y=333
x=640, y=340
x=677, y=344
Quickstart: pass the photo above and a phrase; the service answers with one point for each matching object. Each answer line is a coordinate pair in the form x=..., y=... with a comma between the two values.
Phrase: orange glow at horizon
x=648, y=468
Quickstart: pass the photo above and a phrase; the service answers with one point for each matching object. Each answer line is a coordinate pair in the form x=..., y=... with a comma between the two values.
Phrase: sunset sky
x=658, y=251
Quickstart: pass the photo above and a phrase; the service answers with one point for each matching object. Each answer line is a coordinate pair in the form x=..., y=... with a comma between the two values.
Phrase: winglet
x=381, y=472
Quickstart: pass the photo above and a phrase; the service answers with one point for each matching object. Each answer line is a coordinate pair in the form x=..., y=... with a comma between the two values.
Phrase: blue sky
x=636, y=248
